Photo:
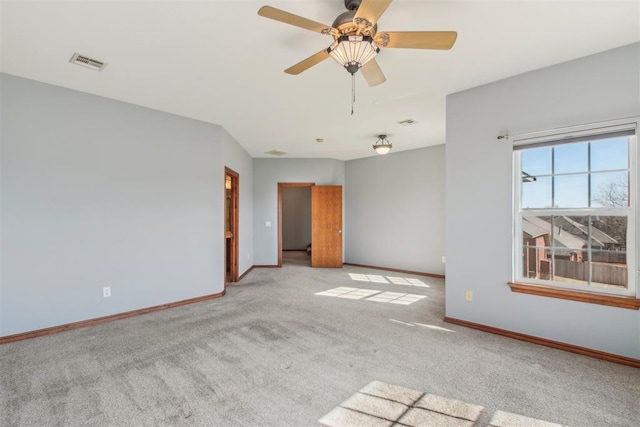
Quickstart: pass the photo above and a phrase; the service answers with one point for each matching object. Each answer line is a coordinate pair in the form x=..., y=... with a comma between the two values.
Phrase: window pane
x=610, y=154
x=536, y=237
x=536, y=230
x=610, y=189
x=570, y=236
x=570, y=158
x=609, y=269
x=609, y=232
x=537, y=161
x=536, y=194
x=571, y=191
x=536, y=263
x=567, y=270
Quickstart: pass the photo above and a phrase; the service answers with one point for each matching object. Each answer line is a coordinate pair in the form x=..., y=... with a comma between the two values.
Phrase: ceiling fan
x=356, y=40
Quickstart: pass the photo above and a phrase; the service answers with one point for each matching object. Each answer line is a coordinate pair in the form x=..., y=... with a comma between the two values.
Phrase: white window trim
x=633, y=240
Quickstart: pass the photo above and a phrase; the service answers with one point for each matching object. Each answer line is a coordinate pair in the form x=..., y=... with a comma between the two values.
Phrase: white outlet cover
x=106, y=292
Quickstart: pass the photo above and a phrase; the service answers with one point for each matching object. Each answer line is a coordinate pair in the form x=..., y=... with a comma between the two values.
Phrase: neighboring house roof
x=599, y=237
x=535, y=226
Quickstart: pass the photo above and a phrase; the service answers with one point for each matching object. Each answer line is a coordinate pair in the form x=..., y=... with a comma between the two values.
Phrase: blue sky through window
x=572, y=191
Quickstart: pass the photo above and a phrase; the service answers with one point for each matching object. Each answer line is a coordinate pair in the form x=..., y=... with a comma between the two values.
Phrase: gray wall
x=296, y=217
x=395, y=210
x=237, y=159
x=267, y=173
x=97, y=192
x=479, y=195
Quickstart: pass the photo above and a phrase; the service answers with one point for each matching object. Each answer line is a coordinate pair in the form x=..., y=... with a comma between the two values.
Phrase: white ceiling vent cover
x=85, y=61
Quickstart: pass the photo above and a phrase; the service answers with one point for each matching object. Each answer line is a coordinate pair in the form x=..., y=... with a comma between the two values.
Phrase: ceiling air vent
x=85, y=61
x=407, y=122
x=276, y=152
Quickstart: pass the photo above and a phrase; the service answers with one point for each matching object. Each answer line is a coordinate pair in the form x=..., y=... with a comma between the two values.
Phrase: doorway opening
x=294, y=222
x=231, y=212
x=325, y=246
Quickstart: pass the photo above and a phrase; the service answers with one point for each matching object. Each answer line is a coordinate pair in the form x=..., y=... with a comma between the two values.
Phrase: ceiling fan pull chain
x=353, y=91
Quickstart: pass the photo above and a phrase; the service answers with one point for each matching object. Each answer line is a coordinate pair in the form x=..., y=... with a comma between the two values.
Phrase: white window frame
x=564, y=135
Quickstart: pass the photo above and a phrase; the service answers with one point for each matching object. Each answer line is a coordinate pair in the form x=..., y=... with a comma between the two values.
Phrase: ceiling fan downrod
x=352, y=4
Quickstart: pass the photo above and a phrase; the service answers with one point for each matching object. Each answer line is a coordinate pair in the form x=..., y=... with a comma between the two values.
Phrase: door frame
x=281, y=186
x=234, y=217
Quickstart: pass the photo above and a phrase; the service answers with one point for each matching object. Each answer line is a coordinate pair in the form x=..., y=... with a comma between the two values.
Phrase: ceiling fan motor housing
x=346, y=23
x=352, y=4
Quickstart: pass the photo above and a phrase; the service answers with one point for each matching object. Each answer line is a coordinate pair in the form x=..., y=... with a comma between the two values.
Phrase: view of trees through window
x=574, y=213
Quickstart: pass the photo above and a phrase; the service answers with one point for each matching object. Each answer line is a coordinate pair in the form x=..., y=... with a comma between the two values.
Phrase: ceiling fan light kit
x=352, y=52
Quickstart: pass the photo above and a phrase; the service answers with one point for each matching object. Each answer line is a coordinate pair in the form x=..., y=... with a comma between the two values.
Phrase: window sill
x=630, y=303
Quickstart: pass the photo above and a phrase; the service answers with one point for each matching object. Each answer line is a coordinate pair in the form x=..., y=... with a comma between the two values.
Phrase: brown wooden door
x=326, y=226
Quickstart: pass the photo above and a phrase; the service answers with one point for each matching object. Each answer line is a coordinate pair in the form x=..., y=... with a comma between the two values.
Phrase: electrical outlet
x=106, y=292
x=468, y=296
x=444, y=259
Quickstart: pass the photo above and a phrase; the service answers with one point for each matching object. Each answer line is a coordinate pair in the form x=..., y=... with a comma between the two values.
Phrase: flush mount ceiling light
x=276, y=152
x=382, y=145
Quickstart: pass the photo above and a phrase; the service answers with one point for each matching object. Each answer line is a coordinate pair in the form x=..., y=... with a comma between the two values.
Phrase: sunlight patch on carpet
x=383, y=404
x=434, y=327
x=396, y=298
x=372, y=295
x=350, y=293
x=376, y=278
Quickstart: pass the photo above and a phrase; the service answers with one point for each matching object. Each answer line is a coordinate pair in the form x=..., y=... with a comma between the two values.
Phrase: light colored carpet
x=507, y=419
x=273, y=353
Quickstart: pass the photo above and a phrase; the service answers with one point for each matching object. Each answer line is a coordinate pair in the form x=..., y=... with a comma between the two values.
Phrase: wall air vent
x=276, y=152
x=85, y=61
x=407, y=122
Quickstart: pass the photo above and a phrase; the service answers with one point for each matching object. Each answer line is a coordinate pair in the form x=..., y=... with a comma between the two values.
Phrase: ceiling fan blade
x=372, y=10
x=442, y=40
x=372, y=73
x=291, y=19
x=308, y=63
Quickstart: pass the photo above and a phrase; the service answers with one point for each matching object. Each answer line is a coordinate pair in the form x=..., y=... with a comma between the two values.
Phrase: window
x=575, y=210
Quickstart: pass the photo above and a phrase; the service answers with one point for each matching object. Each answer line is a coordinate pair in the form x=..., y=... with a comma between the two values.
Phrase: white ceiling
x=219, y=62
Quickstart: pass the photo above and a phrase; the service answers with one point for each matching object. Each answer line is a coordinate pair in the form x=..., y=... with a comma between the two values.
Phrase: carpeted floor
x=279, y=351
